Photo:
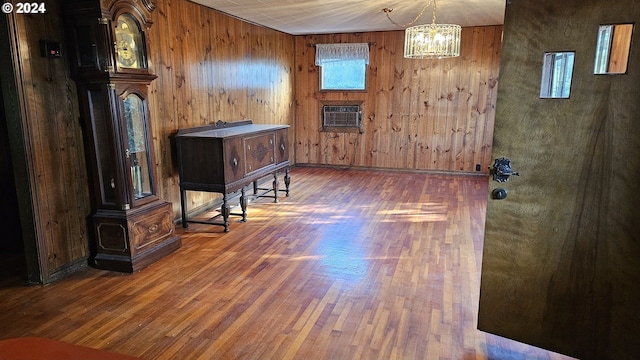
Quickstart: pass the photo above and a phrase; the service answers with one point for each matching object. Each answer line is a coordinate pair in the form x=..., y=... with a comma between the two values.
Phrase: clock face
x=126, y=54
x=129, y=46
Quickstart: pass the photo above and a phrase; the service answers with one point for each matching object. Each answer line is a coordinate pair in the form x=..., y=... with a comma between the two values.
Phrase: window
x=343, y=75
x=557, y=71
x=342, y=66
x=612, y=51
x=602, y=49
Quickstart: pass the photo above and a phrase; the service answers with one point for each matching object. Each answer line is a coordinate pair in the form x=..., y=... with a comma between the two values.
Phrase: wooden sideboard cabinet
x=228, y=156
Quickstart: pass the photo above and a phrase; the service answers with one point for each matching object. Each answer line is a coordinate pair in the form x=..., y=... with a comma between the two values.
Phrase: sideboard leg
x=183, y=206
x=243, y=204
x=275, y=187
x=225, y=210
x=287, y=181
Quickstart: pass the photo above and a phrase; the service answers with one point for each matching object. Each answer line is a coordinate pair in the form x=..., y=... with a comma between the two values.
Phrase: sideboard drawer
x=282, y=148
x=234, y=160
x=260, y=151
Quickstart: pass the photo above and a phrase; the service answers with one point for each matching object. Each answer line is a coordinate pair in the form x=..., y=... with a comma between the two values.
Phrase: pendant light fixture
x=432, y=41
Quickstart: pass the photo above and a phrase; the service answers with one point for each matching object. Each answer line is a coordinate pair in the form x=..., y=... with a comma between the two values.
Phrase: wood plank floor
x=353, y=265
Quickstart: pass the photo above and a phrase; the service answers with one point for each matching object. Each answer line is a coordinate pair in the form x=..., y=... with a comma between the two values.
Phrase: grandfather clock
x=108, y=47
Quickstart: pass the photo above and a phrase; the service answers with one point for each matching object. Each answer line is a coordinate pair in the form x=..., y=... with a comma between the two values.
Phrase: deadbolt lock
x=502, y=170
x=499, y=194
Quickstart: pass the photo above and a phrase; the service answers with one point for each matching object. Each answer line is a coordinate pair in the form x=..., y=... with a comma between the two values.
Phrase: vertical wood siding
x=212, y=67
x=53, y=145
x=418, y=114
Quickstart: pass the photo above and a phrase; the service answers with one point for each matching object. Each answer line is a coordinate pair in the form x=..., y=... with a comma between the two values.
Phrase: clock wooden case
x=132, y=226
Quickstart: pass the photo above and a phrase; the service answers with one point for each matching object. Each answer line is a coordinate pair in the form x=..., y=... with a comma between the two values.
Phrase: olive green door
x=561, y=260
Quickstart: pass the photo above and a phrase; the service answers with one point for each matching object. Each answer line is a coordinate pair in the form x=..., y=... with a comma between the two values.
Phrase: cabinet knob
x=282, y=147
x=235, y=162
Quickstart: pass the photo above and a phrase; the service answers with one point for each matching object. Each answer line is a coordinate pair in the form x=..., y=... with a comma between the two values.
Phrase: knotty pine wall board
x=213, y=67
x=52, y=147
x=418, y=114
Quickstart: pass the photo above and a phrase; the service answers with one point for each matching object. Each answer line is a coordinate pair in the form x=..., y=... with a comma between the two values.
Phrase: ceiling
x=302, y=17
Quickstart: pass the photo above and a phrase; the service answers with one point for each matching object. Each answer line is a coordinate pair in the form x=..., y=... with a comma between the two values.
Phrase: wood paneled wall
x=212, y=67
x=432, y=115
x=46, y=146
x=418, y=114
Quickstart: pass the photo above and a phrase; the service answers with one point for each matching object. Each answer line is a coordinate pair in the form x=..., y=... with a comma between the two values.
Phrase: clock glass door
x=102, y=146
x=129, y=43
x=137, y=151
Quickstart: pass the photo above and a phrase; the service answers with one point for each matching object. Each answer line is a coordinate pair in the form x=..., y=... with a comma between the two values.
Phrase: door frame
x=16, y=116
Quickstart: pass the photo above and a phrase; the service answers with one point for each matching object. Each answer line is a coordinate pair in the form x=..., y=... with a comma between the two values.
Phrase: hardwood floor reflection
x=353, y=265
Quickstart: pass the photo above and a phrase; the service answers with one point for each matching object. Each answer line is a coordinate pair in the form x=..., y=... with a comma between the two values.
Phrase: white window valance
x=340, y=52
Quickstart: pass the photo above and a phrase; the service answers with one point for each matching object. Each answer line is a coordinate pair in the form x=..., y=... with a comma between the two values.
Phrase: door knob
x=502, y=170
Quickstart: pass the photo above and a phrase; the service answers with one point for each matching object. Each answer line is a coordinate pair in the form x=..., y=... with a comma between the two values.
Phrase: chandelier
x=429, y=41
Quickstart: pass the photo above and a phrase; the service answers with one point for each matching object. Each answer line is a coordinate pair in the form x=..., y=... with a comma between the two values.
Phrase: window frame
x=554, y=75
x=339, y=52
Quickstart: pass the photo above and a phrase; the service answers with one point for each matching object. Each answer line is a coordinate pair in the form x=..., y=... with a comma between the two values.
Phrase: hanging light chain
x=405, y=25
x=433, y=19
